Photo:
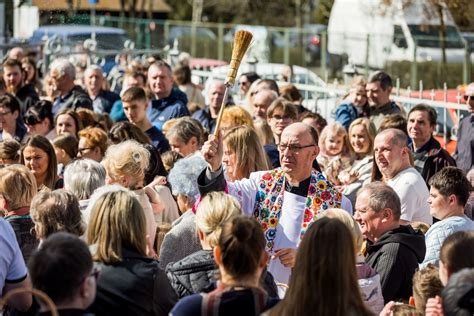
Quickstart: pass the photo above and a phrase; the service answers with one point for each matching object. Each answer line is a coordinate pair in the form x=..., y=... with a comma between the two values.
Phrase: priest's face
x=297, y=151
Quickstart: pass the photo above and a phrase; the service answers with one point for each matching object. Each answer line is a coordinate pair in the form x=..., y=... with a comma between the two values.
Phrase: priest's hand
x=287, y=257
x=212, y=152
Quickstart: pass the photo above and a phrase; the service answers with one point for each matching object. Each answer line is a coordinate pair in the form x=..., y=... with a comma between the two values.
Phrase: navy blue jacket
x=173, y=106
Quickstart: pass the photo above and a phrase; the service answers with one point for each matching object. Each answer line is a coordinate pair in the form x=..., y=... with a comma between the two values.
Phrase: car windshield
x=428, y=36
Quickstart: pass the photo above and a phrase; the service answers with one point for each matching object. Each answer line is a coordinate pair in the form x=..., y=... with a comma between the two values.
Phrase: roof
x=75, y=29
x=102, y=5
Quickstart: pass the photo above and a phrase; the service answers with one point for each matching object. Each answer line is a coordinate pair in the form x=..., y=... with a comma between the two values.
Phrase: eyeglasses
x=281, y=118
x=243, y=83
x=469, y=98
x=2, y=114
x=82, y=150
x=293, y=147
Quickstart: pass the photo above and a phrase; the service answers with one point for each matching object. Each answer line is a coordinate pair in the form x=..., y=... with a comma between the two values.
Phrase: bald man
x=261, y=101
x=285, y=201
x=465, y=146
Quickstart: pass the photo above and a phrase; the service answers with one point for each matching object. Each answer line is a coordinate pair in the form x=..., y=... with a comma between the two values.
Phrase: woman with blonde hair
x=125, y=164
x=215, y=209
x=130, y=282
x=369, y=280
x=18, y=187
x=243, y=153
x=361, y=139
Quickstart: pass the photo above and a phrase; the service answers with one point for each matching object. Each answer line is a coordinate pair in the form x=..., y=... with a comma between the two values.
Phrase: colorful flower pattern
x=269, y=200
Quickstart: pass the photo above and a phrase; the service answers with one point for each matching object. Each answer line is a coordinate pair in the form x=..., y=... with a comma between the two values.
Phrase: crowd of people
x=134, y=202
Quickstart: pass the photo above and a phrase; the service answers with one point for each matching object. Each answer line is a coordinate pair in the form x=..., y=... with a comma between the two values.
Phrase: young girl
x=335, y=157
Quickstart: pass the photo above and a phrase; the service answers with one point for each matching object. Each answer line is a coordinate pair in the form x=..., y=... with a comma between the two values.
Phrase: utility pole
x=197, y=10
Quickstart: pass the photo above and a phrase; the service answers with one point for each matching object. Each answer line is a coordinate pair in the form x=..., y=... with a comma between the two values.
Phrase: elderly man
x=449, y=193
x=14, y=78
x=102, y=100
x=378, y=88
x=71, y=96
x=261, y=101
x=427, y=152
x=169, y=102
x=393, y=250
x=464, y=154
x=207, y=116
x=392, y=157
x=285, y=201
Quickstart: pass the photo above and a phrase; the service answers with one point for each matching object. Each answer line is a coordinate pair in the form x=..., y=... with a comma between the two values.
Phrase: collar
x=429, y=145
x=301, y=189
x=19, y=212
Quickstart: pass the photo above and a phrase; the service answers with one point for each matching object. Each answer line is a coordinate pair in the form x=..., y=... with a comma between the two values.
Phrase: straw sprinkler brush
x=242, y=41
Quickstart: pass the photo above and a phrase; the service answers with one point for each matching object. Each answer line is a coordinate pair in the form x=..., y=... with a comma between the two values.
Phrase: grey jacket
x=180, y=241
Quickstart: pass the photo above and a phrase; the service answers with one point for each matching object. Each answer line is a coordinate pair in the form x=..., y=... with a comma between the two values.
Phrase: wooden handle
x=221, y=111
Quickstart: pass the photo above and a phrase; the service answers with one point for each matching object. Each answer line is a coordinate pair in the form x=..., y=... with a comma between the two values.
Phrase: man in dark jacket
x=393, y=250
x=427, y=152
x=102, y=100
x=169, y=102
x=464, y=154
x=14, y=78
x=71, y=96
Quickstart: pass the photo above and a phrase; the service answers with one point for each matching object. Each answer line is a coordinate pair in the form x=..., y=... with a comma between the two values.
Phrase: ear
x=193, y=141
x=452, y=199
x=15, y=114
x=124, y=181
x=387, y=214
x=316, y=151
x=85, y=288
x=217, y=255
x=200, y=234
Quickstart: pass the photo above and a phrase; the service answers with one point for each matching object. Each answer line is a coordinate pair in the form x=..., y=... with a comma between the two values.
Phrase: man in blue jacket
x=169, y=102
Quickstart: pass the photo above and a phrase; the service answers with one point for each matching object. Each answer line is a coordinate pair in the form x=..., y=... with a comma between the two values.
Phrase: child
x=335, y=157
x=135, y=106
x=65, y=147
x=355, y=104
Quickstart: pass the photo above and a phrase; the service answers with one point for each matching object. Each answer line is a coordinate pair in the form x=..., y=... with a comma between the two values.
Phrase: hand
x=387, y=309
x=212, y=152
x=155, y=200
x=287, y=257
x=434, y=307
x=158, y=180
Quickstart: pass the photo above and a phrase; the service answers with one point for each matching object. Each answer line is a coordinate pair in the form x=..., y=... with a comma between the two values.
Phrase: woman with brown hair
x=243, y=153
x=93, y=143
x=38, y=155
x=324, y=279
x=130, y=283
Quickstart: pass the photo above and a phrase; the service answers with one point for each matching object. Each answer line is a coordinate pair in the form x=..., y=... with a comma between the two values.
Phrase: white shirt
x=413, y=194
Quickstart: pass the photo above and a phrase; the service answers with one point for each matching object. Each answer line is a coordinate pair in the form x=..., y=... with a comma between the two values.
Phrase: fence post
x=166, y=31
x=324, y=57
x=286, y=52
x=445, y=136
x=367, y=55
x=193, y=39
x=220, y=41
x=397, y=89
x=413, y=68
x=466, y=66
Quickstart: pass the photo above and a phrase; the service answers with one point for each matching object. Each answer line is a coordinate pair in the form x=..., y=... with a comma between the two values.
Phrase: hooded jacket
x=395, y=256
x=173, y=106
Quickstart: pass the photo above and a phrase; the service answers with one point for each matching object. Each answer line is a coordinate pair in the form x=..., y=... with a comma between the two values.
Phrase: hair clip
x=136, y=157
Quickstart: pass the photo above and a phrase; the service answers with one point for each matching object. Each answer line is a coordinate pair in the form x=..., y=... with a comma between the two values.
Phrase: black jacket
x=193, y=273
x=27, y=96
x=431, y=158
x=198, y=272
x=395, y=256
x=77, y=98
x=134, y=286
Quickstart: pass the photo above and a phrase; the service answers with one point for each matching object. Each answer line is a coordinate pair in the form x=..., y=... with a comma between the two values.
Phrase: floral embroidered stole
x=269, y=201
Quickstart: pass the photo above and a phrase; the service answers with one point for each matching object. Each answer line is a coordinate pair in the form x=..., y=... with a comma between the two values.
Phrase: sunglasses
x=31, y=119
x=468, y=97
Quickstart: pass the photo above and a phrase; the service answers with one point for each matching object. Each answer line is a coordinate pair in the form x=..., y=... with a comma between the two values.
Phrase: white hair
x=64, y=67
x=183, y=176
x=83, y=177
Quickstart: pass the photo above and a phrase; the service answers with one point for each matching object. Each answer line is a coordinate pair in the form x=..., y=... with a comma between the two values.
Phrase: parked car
x=184, y=31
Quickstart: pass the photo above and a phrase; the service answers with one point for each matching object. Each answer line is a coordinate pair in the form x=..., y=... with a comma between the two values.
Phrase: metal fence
x=307, y=47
